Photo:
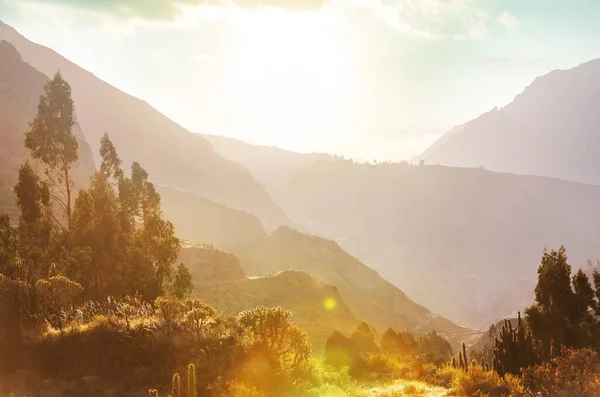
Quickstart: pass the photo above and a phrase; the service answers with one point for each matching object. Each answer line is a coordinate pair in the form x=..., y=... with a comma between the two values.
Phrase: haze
x=368, y=79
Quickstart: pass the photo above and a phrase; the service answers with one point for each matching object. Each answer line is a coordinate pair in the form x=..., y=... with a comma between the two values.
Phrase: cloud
x=431, y=19
x=169, y=9
x=509, y=21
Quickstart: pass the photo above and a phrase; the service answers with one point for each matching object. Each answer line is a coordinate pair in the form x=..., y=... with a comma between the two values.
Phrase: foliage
x=475, y=380
x=199, y=317
x=398, y=343
x=270, y=332
x=364, y=338
x=51, y=140
x=434, y=347
x=55, y=294
x=129, y=247
x=563, y=305
x=35, y=229
x=182, y=286
x=170, y=310
x=8, y=247
x=572, y=373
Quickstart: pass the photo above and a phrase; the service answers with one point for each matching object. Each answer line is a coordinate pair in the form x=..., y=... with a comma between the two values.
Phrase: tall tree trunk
x=68, y=184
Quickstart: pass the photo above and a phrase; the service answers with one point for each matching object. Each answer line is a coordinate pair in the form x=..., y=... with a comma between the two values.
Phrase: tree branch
x=59, y=201
x=49, y=212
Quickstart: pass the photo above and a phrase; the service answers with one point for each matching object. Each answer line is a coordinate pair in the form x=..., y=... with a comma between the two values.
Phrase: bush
x=475, y=381
x=572, y=373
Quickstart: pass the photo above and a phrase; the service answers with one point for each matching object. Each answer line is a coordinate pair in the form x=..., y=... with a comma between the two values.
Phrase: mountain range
x=436, y=230
x=551, y=129
x=212, y=200
x=462, y=240
x=173, y=156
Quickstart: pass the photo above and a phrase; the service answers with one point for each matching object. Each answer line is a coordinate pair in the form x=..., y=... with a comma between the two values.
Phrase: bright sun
x=290, y=79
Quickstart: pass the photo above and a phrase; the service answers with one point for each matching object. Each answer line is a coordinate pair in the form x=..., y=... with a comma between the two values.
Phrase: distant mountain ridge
x=370, y=297
x=454, y=239
x=551, y=129
x=171, y=155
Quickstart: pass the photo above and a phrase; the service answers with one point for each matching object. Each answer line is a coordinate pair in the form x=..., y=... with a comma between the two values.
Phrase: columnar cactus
x=515, y=349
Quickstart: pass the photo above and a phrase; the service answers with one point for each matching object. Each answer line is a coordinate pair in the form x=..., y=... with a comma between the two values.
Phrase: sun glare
x=290, y=78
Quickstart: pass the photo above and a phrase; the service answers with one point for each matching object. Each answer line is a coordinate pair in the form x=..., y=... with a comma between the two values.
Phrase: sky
x=368, y=79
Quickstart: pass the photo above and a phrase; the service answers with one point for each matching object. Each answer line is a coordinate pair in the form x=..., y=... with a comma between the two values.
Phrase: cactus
x=464, y=349
x=153, y=392
x=460, y=360
x=176, y=386
x=191, y=379
x=516, y=348
x=454, y=362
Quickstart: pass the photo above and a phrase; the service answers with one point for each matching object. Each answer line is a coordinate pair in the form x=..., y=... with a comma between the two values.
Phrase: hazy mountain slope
x=208, y=264
x=20, y=88
x=171, y=155
x=438, y=143
x=220, y=281
x=370, y=297
x=268, y=164
x=453, y=239
x=201, y=220
x=552, y=128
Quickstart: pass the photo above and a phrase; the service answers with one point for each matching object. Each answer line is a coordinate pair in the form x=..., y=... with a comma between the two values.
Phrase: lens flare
x=329, y=304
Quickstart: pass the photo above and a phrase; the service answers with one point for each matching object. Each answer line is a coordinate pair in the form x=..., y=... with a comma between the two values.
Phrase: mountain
x=173, y=156
x=370, y=297
x=268, y=164
x=453, y=239
x=20, y=88
x=210, y=264
x=221, y=282
x=552, y=129
x=201, y=220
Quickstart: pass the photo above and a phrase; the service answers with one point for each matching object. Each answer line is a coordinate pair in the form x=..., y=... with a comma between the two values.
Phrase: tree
x=169, y=309
x=270, y=332
x=563, y=306
x=35, y=228
x=55, y=294
x=199, y=315
x=398, y=343
x=51, y=139
x=182, y=285
x=8, y=247
x=435, y=347
x=364, y=337
x=14, y=303
x=122, y=243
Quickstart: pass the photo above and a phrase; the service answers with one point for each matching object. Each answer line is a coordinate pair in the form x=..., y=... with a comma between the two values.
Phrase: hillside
x=20, y=88
x=302, y=294
x=453, y=239
x=268, y=164
x=201, y=220
x=370, y=297
x=172, y=155
x=208, y=264
x=552, y=128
